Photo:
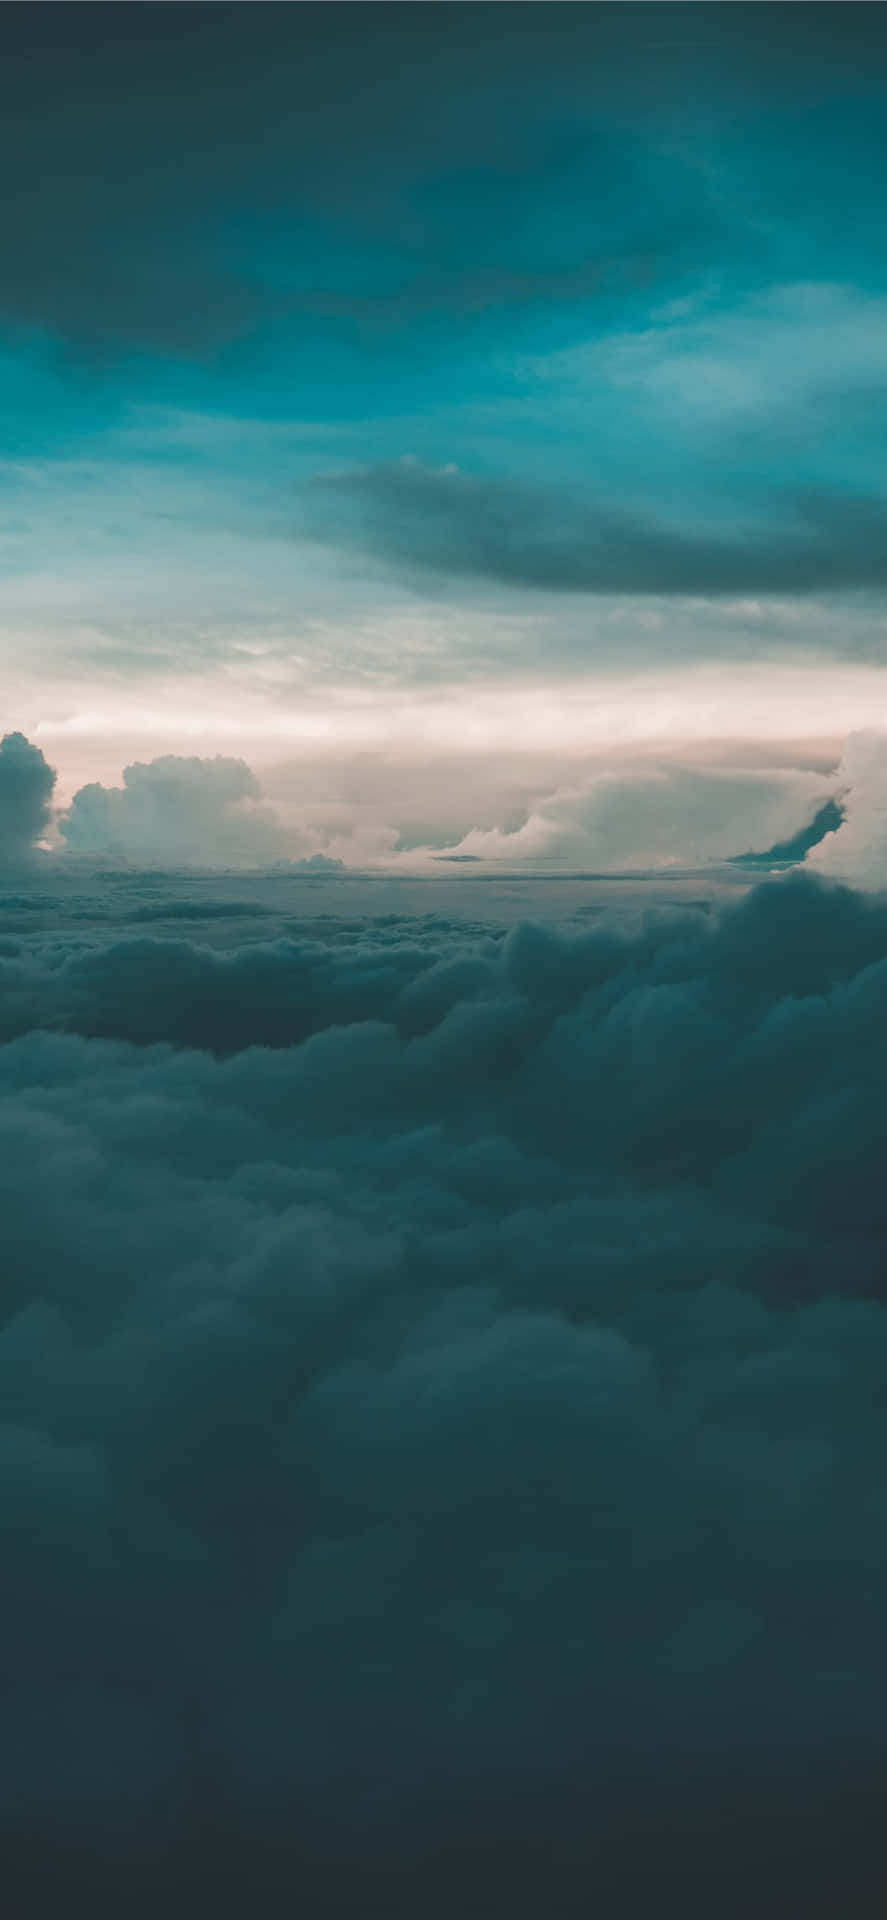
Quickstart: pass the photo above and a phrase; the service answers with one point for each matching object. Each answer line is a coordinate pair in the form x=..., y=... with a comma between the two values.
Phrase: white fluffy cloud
x=659, y=816
x=176, y=811
x=208, y=812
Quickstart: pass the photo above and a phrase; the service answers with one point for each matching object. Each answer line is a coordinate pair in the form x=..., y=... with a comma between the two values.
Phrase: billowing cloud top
x=638, y=816
x=176, y=811
x=442, y=1375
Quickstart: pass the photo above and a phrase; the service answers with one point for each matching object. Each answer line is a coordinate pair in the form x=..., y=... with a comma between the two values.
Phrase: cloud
x=767, y=361
x=449, y=523
x=443, y=1385
x=653, y=816
x=177, y=811
x=857, y=849
x=26, y=787
x=301, y=182
x=117, y=239
x=307, y=133
x=790, y=852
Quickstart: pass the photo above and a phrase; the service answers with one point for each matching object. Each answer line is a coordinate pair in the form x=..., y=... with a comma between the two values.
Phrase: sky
x=443, y=961
x=441, y=408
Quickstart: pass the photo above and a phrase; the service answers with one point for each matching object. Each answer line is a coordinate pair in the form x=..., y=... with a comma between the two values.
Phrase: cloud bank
x=652, y=816
x=444, y=1421
x=178, y=811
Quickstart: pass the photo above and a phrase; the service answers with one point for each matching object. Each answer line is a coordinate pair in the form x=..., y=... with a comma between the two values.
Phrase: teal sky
x=420, y=378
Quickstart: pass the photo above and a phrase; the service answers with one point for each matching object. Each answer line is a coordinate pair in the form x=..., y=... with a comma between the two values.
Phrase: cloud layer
x=443, y=1375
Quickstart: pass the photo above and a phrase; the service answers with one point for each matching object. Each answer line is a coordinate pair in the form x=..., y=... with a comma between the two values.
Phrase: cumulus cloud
x=445, y=1431
x=649, y=816
x=26, y=787
x=177, y=811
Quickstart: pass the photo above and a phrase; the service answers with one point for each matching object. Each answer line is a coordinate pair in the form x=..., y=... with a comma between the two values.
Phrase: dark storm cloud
x=453, y=1444
x=26, y=787
x=146, y=143
x=143, y=141
x=447, y=523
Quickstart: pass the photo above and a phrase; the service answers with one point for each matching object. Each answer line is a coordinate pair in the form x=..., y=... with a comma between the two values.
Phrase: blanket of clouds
x=443, y=1384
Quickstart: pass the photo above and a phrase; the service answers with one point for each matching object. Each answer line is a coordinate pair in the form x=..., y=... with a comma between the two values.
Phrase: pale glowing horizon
x=696, y=709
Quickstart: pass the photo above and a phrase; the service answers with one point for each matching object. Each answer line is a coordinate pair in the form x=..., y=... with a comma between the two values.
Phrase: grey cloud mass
x=447, y=522
x=442, y=1373
x=119, y=236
